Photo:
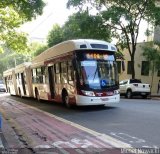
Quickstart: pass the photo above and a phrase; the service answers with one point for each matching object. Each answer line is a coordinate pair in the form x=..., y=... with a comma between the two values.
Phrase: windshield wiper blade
x=95, y=73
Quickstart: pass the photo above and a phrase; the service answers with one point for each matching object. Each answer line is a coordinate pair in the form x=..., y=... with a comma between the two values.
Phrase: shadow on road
x=42, y=103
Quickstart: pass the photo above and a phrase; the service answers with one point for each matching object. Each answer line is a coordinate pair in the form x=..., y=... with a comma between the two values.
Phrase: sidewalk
x=155, y=96
x=29, y=130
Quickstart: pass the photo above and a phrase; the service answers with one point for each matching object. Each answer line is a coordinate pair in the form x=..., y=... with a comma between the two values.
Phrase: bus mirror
x=123, y=65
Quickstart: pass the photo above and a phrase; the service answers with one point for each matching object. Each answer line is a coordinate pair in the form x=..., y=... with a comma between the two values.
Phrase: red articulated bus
x=77, y=72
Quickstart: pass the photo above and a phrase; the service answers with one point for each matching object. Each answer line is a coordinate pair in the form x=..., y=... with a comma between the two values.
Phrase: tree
x=124, y=18
x=37, y=48
x=152, y=54
x=84, y=25
x=10, y=59
x=12, y=15
x=79, y=25
x=55, y=36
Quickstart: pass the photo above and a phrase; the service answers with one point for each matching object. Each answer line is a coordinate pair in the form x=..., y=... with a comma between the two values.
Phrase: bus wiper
x=95, y=73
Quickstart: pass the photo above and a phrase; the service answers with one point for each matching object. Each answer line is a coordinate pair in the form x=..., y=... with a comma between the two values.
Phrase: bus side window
x=43, y=71
x=57, y=71
x=70, y=72
x=64, y=72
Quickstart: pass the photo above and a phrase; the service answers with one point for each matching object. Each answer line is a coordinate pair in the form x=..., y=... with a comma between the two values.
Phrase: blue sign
x=103, y=83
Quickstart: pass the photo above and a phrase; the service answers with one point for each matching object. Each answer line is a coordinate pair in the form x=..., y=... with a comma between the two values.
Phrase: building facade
x=142, y=70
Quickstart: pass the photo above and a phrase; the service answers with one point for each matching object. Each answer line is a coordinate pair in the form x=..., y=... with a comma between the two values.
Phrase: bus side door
x=51, y=75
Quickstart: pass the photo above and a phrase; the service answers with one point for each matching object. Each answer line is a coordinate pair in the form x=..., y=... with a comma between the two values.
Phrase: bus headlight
x=88, y=93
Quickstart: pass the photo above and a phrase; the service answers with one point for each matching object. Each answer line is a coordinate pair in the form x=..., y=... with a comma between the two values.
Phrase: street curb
x=155, y=97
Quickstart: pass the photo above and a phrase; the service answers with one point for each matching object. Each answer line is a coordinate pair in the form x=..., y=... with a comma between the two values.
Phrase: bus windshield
x=98, y=74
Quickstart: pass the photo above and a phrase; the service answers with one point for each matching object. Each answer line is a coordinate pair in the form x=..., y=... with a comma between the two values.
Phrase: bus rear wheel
x=65, y=99
x=20, y=94
x=37, y=95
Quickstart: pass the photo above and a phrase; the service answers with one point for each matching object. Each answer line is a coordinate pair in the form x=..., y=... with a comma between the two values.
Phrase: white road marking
x=129, y=138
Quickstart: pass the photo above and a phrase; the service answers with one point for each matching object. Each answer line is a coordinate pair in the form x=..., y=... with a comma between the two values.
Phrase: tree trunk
x=132, y=66
x=133, y=45
x=152, y=77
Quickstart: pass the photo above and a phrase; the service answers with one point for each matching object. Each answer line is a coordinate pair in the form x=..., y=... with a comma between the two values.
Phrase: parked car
x=2, y=86
x=134, y=87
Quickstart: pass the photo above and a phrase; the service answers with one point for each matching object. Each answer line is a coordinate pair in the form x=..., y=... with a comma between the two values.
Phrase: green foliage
x=55, y=36
x=79, y=25
x=9, y=59
x=39, y=49
x=16, y=41
x=124, y=18
x=26, y=9
x=35, y=49
x=83, y=25
x=152, y=54
x=12, y=15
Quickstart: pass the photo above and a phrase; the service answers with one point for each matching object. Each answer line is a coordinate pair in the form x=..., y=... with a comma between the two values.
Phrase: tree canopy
x=12, y=15
x=151, y=52
x=123, y=17
x=79, y=25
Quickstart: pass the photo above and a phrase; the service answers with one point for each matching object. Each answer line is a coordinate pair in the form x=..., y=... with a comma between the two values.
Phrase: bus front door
x=51, y=81
x=23, y=84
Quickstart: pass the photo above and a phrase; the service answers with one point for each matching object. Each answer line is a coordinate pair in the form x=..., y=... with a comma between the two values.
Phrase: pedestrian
x=158, y=87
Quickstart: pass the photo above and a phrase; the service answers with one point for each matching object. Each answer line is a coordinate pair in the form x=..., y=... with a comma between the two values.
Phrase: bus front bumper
x=86, y=100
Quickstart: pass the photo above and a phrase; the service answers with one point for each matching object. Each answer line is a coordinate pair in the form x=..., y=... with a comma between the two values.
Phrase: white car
x=134, y=87
x=2, y=86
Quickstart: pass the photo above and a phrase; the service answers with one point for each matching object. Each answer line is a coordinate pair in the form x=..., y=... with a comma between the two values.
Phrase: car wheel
x=129, y=94
x=144, y=96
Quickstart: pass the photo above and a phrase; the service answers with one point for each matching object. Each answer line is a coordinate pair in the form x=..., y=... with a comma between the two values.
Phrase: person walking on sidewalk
x=158, y=87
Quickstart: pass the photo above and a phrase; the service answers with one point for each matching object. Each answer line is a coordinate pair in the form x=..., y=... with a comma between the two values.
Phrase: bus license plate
x=104, y=99
x=143, y=93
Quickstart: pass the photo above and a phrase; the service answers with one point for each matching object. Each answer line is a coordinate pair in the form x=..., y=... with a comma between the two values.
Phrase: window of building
x=119, y=66
x=145, y=68
x=129, y=70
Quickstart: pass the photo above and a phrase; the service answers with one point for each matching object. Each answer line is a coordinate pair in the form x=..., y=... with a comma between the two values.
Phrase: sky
x=54, y=12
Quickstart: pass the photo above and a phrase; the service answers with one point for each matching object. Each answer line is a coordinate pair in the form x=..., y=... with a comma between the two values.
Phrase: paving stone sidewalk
x=29, y=130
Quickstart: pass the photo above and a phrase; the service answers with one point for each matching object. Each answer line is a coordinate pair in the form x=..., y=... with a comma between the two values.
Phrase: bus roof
x=71, y=45
x=21, y=67
x=8, y=72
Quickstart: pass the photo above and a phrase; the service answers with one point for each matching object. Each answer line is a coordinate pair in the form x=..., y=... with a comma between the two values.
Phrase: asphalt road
x=133, y=121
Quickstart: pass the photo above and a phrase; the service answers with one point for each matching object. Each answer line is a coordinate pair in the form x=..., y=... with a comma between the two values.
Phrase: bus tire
x=65, y=99
x=20, y=94
x=37, y=95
